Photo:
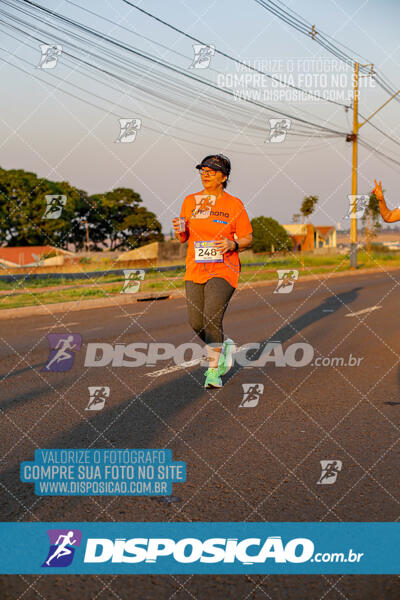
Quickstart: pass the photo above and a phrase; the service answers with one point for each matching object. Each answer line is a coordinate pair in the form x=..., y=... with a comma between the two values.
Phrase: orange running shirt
x=212, y=219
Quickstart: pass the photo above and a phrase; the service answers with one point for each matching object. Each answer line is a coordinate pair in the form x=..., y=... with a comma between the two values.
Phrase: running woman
x=217, y=227
x=390, y=216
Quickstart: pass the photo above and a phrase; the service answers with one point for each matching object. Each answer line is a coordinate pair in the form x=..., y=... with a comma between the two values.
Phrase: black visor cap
x=217, y=162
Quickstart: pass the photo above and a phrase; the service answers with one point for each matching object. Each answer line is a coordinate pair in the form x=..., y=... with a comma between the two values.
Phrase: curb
x=128, y=299
x=78, y=305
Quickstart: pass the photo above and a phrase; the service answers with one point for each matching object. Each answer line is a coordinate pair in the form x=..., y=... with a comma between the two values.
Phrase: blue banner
x=204, y=548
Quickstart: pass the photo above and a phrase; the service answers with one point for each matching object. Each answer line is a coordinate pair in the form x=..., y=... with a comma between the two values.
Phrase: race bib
x=205, y=252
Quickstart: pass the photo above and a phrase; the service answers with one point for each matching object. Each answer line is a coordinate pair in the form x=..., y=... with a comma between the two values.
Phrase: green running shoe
x=225, y=358
x=212, y=379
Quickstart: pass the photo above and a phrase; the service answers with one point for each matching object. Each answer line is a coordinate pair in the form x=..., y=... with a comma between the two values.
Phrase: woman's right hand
x=175, y=224
x=378, y=190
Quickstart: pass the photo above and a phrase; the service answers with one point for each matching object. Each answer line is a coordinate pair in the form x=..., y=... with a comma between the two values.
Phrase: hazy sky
x=63, y=138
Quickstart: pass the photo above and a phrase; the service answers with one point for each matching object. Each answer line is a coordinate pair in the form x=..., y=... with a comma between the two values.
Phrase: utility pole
x=87, y=238
x=353, y=137
x=85, y=222
x=353, y=220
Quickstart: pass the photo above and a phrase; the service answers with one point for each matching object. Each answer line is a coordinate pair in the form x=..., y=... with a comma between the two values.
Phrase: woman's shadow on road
x=138, y=422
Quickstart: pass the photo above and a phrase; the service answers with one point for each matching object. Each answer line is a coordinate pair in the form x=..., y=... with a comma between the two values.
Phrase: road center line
x=185, y=365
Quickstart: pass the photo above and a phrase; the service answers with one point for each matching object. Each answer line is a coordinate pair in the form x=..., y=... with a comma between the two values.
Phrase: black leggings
x=207, y=303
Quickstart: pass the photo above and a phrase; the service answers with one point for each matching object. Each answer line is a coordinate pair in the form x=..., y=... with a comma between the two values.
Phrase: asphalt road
x=259, y=463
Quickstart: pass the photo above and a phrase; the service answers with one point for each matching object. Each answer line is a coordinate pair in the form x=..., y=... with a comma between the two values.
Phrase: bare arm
x=245, y=242
x=389, y=216
x=226, y=245
x=181, y=237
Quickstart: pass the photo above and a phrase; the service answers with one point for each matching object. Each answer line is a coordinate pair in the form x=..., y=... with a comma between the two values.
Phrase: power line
x=387, y=135
x=94, y=105
x=293, y=19
x=177, y=70
x=131, y=31
x=131, y=80
x=237, y=61
x=379, y=152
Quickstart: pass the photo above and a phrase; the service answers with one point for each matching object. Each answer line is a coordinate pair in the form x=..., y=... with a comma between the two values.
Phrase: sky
x=73, y=138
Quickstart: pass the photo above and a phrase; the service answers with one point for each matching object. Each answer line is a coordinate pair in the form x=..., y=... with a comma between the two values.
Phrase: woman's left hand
x=224, y=245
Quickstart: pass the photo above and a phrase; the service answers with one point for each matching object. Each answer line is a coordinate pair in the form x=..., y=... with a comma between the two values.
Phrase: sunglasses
x=208, y=171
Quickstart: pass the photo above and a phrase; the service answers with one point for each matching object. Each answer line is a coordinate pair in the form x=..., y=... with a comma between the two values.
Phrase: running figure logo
x=286, y=280
x=98, y=396
x=132, y=282
x=128, y=130
x=330, y=470
x=204, y=204
x=38, y=259
x=202, y=56
x=278, y=129
x=54, y=206
x=63, y=543
x=251, y=394
x=361, y=204
x=50, y=55
x=62, y=348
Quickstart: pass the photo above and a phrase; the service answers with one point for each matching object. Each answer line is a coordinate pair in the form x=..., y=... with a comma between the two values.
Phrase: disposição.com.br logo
x=63, y=543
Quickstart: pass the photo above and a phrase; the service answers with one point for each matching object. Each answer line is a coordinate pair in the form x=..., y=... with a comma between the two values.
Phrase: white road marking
x=138, y=314
x=184, y=365
x=363, y=311
x=56, y=326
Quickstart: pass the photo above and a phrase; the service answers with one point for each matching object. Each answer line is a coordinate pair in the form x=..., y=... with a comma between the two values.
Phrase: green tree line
x=116, y=219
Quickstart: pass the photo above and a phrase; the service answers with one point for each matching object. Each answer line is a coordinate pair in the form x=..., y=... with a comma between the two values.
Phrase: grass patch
x=172, y=280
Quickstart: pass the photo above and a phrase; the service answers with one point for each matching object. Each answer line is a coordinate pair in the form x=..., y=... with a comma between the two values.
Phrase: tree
x=308, y=206
x=371, y=222
x=118, y=217
x=269, y=236
x=296, y=218
x=114, y=219
x=23, y=206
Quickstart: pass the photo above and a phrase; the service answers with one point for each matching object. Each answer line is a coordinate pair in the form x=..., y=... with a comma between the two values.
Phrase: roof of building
x=324, y=230
x=297, y=239
x=25, y=255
